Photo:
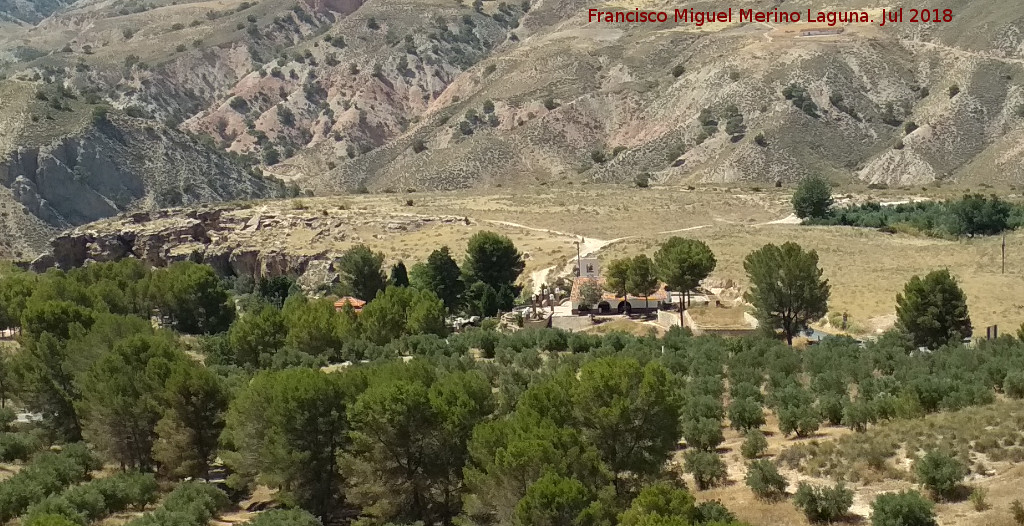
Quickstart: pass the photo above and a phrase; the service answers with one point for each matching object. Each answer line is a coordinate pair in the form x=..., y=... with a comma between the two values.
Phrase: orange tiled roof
x=355, y=302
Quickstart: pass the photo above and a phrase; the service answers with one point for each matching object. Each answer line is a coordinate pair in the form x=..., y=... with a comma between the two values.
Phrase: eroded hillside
x=342, y=95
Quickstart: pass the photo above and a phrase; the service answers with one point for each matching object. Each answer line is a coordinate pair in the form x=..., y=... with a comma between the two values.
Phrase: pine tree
x=812, y=198
x=682, y=264
x=361, y=274
x=399, y=276
x=933, y=310
x=786, y=290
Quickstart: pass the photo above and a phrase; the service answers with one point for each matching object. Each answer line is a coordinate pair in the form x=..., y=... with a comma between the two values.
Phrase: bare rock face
x=71, y=181
x=41, y=263
x=164, y=237
x=338, y=6
x=266, y=242
x=109, y=248
x=319, y=273
x=70, y=250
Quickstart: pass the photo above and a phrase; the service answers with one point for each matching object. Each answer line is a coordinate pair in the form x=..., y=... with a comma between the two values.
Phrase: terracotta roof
x=355, y=302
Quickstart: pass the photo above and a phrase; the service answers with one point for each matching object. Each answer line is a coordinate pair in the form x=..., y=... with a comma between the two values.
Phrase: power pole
x=1004, y=254
x=579, y=269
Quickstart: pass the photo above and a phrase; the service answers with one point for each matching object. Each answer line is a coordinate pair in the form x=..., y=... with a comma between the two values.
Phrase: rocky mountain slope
x=100, y=166
x=29, y=11
x=390, y=95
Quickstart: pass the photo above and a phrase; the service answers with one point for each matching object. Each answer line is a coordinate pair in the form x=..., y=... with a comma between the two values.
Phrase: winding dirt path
x=591, y=245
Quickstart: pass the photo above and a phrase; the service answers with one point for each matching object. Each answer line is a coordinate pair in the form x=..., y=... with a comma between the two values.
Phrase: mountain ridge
x=341, y=96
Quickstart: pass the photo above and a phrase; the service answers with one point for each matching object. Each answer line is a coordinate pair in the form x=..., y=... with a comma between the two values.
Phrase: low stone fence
x=668, y=318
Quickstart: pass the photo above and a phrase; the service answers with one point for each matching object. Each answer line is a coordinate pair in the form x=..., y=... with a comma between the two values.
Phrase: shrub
x=745, y=414
x=803, y=420
x=550, y=103
x=954, y=90
x=978, y=499
x=822, y=503
x=285, y=115
x=271, y=156
x=18, y=446
x=760, y=140
x=583, y=342
x=765, y=481
x=713, y=512
x=94, y=500
x=598, y=156
x=754, y=445
x=238, y=104
x=47, y=473
x=940, y=473
x=418, y=146
x=1017, y=510
x=707, y=468
x=801, y=99
x=678, y=70
x=907, y=508
x=642, y=180
x=100, y=115
x=704, y=434
x=1013, y=384
x=734, y=126
x=190, y=504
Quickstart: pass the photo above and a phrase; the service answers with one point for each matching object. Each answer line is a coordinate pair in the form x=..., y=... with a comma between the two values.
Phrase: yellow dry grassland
x=865, y=268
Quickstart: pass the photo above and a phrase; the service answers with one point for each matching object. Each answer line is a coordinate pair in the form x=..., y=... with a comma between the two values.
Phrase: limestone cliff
x=275, y=239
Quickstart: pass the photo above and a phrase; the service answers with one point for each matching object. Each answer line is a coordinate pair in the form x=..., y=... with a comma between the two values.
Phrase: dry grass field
x=866, y=268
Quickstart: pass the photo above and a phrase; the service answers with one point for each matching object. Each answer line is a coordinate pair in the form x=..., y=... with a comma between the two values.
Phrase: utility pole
x=1004, y=253
x=579, y=269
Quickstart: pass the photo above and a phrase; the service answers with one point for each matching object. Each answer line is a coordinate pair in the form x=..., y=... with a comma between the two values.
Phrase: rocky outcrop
x=343, y=7
x=184, y=240
x=256, y=243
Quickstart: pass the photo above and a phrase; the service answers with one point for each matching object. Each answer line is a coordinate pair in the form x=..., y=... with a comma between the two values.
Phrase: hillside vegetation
x=487, y=426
